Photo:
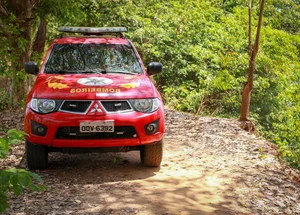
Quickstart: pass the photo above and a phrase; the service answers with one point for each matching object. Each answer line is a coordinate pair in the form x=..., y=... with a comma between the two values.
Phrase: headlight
x=44, y=105
x=145, y=105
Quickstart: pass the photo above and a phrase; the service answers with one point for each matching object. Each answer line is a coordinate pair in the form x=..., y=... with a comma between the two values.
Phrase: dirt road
x=210, y=166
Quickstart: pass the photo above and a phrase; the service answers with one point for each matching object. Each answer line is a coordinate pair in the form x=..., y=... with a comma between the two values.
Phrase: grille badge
x=96, y=109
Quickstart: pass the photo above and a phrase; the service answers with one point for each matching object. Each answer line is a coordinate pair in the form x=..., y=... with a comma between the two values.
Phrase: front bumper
x=54, y=121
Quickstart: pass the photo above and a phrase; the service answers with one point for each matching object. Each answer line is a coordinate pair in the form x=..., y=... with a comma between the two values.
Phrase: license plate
x=99, y=126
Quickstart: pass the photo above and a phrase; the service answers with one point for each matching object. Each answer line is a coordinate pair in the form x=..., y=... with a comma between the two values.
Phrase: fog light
x=152, y=127
x=40, y=129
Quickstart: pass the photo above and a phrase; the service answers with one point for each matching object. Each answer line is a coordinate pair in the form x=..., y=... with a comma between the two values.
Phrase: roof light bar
x=89, y=30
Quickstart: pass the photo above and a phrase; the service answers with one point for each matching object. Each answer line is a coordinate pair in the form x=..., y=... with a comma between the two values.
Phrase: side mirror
x=31, y=67
x=154, y=68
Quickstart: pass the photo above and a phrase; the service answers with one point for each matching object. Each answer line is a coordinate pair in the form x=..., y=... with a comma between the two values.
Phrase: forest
x=202, y=44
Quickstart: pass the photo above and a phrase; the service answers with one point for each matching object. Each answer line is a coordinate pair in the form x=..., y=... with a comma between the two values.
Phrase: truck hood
x=93, y=86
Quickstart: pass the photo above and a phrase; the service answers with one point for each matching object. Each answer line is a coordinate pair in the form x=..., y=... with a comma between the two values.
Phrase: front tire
x=36, y=156
x=151, y=155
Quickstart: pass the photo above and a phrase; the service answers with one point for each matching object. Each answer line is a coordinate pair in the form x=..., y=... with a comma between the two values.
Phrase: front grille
x=115, y=106
x=75, y=106
x=73, y=133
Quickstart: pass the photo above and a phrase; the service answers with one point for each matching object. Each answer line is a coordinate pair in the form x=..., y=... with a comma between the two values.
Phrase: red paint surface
x=74, y=90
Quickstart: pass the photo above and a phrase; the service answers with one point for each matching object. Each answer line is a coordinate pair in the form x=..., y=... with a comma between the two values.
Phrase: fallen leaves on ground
x=210, y=166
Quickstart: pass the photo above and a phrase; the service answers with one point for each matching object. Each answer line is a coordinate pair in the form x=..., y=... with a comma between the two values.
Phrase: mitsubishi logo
x=96, y=109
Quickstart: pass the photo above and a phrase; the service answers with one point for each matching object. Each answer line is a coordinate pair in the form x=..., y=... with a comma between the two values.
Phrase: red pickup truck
x=93, y=94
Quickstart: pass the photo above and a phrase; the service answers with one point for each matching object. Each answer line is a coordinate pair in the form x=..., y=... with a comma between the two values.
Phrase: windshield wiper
x=121, y=72
x=97, y=71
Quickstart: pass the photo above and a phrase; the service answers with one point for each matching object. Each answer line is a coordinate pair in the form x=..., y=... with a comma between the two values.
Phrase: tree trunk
x=244, y=116
x=247, y=93
x=40, y=39
x=37, y=50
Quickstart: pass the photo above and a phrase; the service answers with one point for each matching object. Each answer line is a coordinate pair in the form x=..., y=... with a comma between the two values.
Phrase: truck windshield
x=92, y=58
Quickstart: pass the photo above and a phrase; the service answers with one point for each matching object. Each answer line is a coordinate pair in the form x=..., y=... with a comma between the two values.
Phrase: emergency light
x=91, y=30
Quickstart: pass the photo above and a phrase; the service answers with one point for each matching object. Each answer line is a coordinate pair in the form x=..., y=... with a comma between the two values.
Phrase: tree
x=23, y=26
x=16, y=24
x=252, y=53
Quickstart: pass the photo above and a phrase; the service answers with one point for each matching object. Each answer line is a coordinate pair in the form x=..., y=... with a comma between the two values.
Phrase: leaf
x=4, y=143
x=36, y=176
x=3, y=203
x=25, y=180
x=41, y=188
x=15, y=184
x=32, y=187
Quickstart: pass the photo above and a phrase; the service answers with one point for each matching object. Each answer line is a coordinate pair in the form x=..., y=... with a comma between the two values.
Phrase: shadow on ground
x=95, y=184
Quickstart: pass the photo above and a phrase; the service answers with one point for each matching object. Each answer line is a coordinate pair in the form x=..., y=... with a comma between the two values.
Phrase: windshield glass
x=92, y=58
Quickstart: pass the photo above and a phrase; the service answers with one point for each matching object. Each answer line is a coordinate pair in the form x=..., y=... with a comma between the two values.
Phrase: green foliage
x=283, y=15
x=19, y=21
x=286, y=124
x=13, y=137
x=15, y=180
x=203, y=46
